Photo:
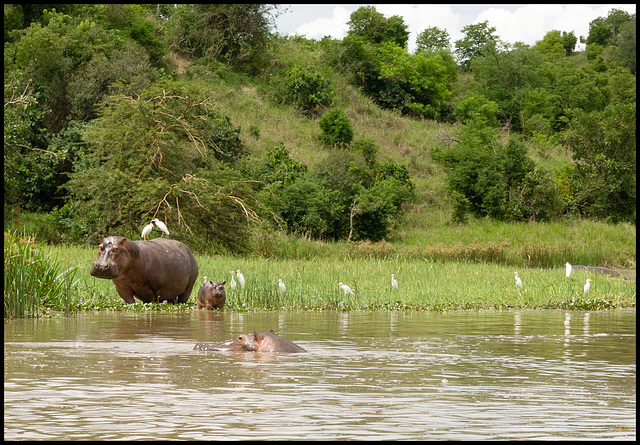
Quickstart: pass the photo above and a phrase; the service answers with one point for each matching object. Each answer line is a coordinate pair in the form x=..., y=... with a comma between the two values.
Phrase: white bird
x=232, y=283
x=587, y=286
x=346, y=289
x=568, y=269
x=394, y=283
x=282, y=287
x=240, y=279
x=160, y=225
x=147, y=230
x=205, y=279
x=518, y=281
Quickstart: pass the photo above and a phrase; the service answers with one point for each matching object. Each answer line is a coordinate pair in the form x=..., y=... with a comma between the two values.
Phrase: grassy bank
x=423, y=285
x=450, y=267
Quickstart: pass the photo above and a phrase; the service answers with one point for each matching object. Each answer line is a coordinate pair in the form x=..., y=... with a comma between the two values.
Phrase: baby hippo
x=263, y=342
x=211, y=295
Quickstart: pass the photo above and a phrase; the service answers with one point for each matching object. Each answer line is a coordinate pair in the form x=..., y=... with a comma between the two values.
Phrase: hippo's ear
x=272, y=332
x=100, y=238
x=258, y=338
x=224, y=282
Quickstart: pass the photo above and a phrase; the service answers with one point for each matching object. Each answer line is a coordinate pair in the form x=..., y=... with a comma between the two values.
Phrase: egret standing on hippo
x=151, y=271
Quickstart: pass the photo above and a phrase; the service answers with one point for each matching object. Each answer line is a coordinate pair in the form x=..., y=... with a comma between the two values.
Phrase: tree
x=626, y=55
x=165, y=152
x=605, y=31
x=480, y=40
x=552, y=44
x=569, y=41
x=433, y=39
x=368, y=23
x=604, y=150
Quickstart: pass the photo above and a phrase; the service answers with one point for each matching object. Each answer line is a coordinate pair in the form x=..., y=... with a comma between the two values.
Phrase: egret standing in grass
x=282, y=287
x=147, y=230
x=518, y=281
x=587, y=286
x=232, y=283
x=346, y=289
x=394, y=283
x=160, y=225
x=240, y=278
x=205, y=279
x=568, y=269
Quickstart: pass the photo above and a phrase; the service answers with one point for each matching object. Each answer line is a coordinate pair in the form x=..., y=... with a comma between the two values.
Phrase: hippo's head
x=114, y=255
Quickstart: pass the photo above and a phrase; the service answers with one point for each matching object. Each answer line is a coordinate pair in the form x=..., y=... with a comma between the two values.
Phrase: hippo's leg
x=126, y=293
x=184, y=296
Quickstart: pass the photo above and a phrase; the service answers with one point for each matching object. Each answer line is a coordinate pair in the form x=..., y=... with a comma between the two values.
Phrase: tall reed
x=32, y=279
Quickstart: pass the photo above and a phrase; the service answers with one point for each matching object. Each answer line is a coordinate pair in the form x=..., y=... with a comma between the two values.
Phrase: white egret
x=240, y=279
x=161, y=225
x=205, y=279
x=346, y=289
x=587, y=286
x=282, y=287
x=394, y=283
x=568, y=269
x=232, y=283
x=518, y=281
x=147, y=230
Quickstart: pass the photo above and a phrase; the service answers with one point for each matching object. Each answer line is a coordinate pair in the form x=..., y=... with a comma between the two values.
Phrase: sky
x=526, y=23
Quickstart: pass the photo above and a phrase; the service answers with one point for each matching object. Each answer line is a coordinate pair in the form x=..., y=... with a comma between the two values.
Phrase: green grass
x=312, y=284
x=33, y=279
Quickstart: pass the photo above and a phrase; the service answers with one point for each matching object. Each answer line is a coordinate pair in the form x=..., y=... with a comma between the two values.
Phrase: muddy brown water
x=507, y=375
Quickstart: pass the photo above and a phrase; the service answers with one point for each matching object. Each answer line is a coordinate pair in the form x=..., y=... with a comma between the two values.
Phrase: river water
x=463, y=375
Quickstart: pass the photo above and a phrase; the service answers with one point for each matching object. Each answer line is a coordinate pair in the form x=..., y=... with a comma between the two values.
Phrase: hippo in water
x=151, y=271
x=263, y=342
x=602, y=270
x=211, y=295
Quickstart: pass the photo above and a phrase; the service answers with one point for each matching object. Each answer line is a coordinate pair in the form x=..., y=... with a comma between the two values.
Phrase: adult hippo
x=263, y=342
x=151, y=271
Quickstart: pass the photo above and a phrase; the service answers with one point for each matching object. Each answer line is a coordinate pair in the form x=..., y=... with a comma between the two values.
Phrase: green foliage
x=336, y=128
x=149, y=153
x=486, y=178
x=368, y=23
x=476, y=107
x=369, y=150
x=626, y=55
x=433, y=39
x=280, y=167
x=604, y=150
x=235, y=34
x=418, y=84
x=480, y=40
x=605, y=31
x=32, y=279
x=505, y=75
x=306, y=89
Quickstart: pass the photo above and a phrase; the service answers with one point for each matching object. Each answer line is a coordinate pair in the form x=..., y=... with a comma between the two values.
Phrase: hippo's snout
x=101, y=269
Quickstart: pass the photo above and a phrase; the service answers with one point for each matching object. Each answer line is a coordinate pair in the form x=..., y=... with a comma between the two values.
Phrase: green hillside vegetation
x=249, y=143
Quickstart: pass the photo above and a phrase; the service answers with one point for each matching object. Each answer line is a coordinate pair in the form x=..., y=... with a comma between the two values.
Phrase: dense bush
x=604, y=150
x=306, y=89
x=487, y=178
x=336, y=128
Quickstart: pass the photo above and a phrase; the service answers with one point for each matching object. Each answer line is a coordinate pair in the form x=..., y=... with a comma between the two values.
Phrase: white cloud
x=334, y=26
